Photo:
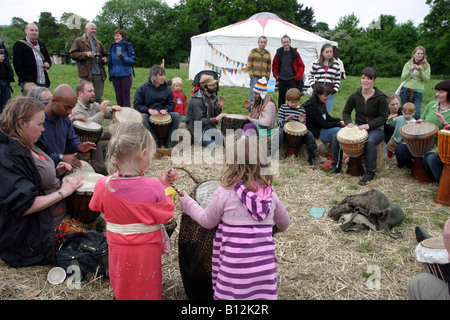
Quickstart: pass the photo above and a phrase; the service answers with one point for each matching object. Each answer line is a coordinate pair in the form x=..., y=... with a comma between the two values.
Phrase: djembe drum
x=234, y=122
x=78, y=202
x=160, y=125
x=431, y=253
x=127, y=115
x=294, y=132
x=419, y=138
x=87, y=131
x=443, y=192
x=352, y=141
x=195, y=247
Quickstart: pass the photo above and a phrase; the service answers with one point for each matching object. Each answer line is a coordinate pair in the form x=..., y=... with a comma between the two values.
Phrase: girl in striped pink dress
x=245, y=208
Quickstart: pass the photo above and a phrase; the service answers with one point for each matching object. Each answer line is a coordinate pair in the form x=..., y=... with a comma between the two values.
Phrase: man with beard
x=59, y=135
x=87, y=109
x=204, y=112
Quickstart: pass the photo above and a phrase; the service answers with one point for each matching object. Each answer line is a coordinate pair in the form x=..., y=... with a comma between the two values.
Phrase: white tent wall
x=226, y=50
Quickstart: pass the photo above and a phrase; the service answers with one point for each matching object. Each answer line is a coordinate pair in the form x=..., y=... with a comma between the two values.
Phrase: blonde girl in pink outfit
x=245, y=208
x=135, y=209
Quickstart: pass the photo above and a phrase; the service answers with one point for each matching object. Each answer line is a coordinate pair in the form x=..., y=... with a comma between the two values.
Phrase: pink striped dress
x=244, y=262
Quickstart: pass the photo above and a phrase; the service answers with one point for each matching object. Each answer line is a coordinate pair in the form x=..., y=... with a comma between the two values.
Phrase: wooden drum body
x=294, y=133
x=443, y=192
x=160, y=125
x=234, y=122
x=195, y=247
x=352, y=141
x=431, y=253
x=419, y=138
x=78, y=202
x=87, y=131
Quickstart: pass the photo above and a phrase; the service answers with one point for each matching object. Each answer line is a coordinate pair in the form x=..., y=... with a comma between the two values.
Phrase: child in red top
x=179, y=97
x=135, y=209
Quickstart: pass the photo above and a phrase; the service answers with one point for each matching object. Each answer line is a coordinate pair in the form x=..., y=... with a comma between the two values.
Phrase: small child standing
x=397, y=122
x=135, y=209
x=244, y=208
x=292, y=111
x=179, y=97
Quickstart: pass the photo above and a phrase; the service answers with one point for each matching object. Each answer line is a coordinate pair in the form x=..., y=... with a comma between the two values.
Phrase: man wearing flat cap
x=204, y=112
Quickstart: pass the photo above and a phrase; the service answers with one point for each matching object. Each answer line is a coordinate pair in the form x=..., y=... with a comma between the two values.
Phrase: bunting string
x=237, y=65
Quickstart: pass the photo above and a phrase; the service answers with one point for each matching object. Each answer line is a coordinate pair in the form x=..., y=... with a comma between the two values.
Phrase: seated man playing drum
x=371, y=113
x=88, y=110
x=59, y=140
x=204, y=112
x=156, y=97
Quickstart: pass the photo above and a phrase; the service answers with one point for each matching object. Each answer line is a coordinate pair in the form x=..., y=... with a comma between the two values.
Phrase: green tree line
x=158, y=31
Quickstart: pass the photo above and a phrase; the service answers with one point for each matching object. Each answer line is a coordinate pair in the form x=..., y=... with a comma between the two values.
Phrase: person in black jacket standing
x=31, y=59
x=6, y=76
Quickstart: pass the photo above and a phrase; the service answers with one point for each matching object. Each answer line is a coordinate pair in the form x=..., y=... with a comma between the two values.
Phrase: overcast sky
x=328, y=11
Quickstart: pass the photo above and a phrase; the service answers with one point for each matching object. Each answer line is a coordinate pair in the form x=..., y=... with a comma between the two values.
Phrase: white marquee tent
x=226, y=50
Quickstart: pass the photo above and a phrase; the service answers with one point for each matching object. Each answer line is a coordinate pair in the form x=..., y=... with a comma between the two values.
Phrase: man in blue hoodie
x=156, y=97
x=59, y=136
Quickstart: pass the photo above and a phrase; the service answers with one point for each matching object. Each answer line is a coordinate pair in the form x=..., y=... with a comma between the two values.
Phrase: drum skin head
x=128, y=114
x=295, y=127
x=236, y=116
x=434, y=243
x=87, y=125
x=161, y=118
x=418, y=130
x=352, y=134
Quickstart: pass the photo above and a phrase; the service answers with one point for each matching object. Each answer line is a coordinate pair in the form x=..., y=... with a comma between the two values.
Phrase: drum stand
x=419, y=173
x=443, y=192
x=355, y=166
x=292, y=151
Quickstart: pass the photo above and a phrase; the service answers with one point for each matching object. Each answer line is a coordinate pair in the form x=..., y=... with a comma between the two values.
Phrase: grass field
x=234, y=96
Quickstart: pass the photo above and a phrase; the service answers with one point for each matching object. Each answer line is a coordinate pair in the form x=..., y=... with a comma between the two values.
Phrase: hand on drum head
x=62, y=167
x=447, y=237
x=71, y=184
x=72, y=160
x=364, y=127
x=169, y=178
x=86, y=146
x=163, y=111
x=221, y=115
x=302, y=118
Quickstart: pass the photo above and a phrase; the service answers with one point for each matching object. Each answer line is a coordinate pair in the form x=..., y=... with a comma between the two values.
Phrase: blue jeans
x=416, y=100
x=209, y=136
x=329, y=103
x=327, y=135
x=434, y=165
x=5, y=93
x=370, y=148
x=252, y=84
x=173, y=126
x=404, y=156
